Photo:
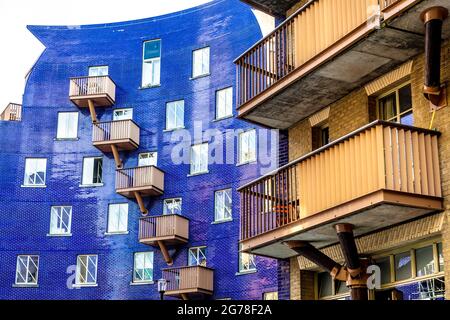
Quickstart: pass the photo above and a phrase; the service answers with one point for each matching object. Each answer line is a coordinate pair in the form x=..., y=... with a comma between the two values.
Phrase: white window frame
x=115, y=216
x=155, y=76
x=92, y=183
x=35, y=164
x=127, y=114
x=98, y=71
x=245, y=146
x=221, y=213
x=89, y=259
x=143, y=156
x=199, y=158
x=67, y=128
x=202, y=56
x=246, y=262
x=198, y=254
x=167, y=203
x=146, y=260
x=57, y=212
x=29, y=258
x=224, y=103
x=178, y=113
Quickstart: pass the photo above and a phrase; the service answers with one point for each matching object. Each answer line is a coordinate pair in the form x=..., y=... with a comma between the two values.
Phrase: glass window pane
x=441, y=256
x=67, y=125
x=98, y=71
x=405, y=98
x=172, y=206
x=200, y=61
x=35, y=171
x=148, y=159
x=424, y=261
x=385, y=269
x=388, y=107
x=341, y=287
x=152, y=49
x=199, y=158
x=123, y=114
x=325, y=284
x=60, y=221
x=143, y=267
x=402, y=266
x=88, y=171
x=175, y=115
x=407, y=119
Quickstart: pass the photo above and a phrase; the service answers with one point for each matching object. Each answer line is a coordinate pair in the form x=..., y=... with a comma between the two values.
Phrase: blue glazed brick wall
x=228, y=27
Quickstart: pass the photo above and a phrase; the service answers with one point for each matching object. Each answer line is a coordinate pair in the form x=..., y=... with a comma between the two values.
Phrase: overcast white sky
x=20, y=49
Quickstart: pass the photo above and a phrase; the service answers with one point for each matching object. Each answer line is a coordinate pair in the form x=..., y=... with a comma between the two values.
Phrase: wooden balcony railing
x=101, y=90
x=186, y=280
x=148, y=180
x=310, y=31
x=379, y=156
x=13, y=112
x=122, y=133
x=171, y=228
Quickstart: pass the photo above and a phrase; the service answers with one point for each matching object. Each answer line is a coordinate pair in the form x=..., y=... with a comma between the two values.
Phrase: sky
x=20, y=49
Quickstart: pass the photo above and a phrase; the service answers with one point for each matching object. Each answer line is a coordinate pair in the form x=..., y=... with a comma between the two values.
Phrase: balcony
x=13, y=112
x=123, y=134
x=189, y=282
x=100, y=91
x=172, y=229
x=146, y=181
x=380, y=175
x=322, y=52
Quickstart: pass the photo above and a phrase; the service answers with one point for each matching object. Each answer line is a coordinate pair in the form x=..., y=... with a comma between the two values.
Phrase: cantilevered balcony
x=378, y=176
x=322, y=52
x=98, y=90
x=124, y=134
x=148, y=181
x=13, y=112
x=189, y=282
x=173, y=229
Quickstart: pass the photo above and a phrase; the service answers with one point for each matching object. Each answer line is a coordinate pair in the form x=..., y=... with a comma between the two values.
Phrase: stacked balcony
x=147, y=180
x=13, y=112
x=173, y=229
x=99, y=90
x=380, y=175
x=189, y=282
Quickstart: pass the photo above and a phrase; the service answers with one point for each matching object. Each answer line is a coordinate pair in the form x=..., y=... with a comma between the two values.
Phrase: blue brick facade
x=229, y=28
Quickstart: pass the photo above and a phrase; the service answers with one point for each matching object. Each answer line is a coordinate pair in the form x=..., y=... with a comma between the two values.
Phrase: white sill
x=116, y=233
x=59, y=235
x=66, y=139
x=223, y=118
x=85, y=285
x=33, y=186
x=174, y=129
x=150, y=86
x=25, y=285
x=94, y=185
x=246, y=162
x=141, y=283
x=243, y=273
x=198, y=173
x=222, y=221
x=200, y=76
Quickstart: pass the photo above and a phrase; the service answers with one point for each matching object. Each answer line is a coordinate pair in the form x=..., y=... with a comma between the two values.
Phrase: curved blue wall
x=228, y=27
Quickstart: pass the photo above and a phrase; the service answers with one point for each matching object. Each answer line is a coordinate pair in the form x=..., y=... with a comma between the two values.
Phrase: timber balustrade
x=379, y=156
x=190, y=279
x=99, y=89
x=124, y=133
x=171, y=228
x=13, y=112
x=148, y=180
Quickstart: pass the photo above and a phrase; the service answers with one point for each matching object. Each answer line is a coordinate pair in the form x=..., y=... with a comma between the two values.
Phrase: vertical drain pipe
x=433, y=19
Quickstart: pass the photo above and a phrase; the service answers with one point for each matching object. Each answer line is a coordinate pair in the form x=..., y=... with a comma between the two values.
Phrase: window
x=385, y=269
x=325, y=284
x=440, y=257
x=320, y=136
x=148, y=159
x=123, y=114
x=60, y=220
x=175, y=115
x=197, y=256
x=199, y=158
x=92, y=171
x=222, y=200
x=172, y=206
x=396, y=105
x=247, y=146
x=67, y=125
x=27, y=270
x=86, y=270
x=118, y=218
x=246, y=261
x=151, y=63
x=200, y=62
x=224, y=103
x=98, y=71
x=143, y=267
x=35, y=171
x=424, y=261
x=402, y=266
x=270, y=295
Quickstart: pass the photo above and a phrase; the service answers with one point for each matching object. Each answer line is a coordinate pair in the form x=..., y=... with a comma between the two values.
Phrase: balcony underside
x=350, y=63
x=192, y=294
x=100, y=100
x=150, y=191
x=277, y=8
x=171, y=240
x=369, y=213
x=122, y=145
